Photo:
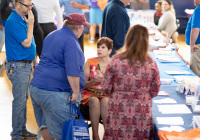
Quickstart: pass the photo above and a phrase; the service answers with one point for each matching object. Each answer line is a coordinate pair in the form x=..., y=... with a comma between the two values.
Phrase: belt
x=24, y=61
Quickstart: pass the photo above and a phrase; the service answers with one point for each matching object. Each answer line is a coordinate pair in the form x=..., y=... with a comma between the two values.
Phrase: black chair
x=85, y=112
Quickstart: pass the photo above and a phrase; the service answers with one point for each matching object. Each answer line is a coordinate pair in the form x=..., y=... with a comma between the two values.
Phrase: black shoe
x=28, y=135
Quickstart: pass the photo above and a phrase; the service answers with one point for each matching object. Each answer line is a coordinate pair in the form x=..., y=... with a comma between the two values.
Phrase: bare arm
x=75, y=4
x=74, y=84
x=98, y=77
x=193, y=38
x=30, y=21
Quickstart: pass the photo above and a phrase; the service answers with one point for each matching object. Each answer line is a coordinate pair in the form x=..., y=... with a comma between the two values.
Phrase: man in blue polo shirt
x=116, y=23
x=192, y=38
x=58, y=77
x=20, y=52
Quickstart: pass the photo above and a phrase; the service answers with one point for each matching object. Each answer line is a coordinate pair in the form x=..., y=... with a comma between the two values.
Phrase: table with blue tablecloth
x=171, y=90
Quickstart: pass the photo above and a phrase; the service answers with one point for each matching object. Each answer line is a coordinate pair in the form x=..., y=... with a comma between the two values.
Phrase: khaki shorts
x=195, y=61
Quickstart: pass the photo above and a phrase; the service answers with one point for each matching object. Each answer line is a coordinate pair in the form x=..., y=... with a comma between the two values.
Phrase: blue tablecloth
x=171, y=67
x=171, y=89
x=180, y=98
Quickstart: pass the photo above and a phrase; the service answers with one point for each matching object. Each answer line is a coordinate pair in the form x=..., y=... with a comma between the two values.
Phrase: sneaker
x=28, y=135
x=91, y=41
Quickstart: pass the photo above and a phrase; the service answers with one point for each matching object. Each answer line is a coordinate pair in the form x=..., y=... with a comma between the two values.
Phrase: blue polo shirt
x=61, y=57
x=116, y=23
x=68, y=9
x=15, y=34
x=194, y=22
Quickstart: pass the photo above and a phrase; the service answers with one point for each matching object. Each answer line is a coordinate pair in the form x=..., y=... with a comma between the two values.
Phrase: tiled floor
x=6, y=95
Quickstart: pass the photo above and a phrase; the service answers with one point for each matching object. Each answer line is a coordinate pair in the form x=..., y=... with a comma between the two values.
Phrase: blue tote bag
x=75, y=129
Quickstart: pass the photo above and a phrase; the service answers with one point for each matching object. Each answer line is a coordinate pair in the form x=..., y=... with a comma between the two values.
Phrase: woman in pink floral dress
x=131, y=80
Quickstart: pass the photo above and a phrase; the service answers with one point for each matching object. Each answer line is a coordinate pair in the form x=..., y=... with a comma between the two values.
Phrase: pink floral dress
x=130, y=107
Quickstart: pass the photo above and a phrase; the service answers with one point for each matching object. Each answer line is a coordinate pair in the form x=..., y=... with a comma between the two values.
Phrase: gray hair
x=70, y=25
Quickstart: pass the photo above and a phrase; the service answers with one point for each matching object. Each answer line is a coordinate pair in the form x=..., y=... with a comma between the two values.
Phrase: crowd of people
x=118, y=85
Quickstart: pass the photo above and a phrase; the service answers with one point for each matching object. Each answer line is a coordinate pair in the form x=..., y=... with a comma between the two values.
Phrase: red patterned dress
x=130, y=107
x=93, y=90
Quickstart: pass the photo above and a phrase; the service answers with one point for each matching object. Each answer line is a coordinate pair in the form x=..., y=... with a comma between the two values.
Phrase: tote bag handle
x=75, y=108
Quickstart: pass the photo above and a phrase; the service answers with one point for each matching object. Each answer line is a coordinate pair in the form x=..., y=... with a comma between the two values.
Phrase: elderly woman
x=131, y=81
x=92, y=95
x=167, y=22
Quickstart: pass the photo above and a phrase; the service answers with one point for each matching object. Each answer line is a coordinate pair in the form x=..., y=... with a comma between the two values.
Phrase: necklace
x=102, y=65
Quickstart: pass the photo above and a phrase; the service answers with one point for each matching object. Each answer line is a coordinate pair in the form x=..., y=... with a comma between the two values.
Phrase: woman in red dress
x=131, y=80
x=92, y=95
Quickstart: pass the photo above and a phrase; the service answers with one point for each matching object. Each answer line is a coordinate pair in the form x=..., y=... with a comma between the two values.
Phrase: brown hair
x=105, y=40
x=136, y=45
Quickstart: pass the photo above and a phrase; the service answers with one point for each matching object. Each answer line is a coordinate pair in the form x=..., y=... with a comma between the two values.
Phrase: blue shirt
x=68, y=9
x=116, y=23
x=61, y=57
x=94, y=4
x=15, y=34
x=194, y=22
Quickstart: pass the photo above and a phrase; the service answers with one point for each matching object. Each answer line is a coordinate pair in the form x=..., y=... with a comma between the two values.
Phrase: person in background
x=167, y=22
x=95, y=17
x=158, y=13
x=46, y=9
x=37, y=32
x=75, y=6
x=58, y=77
x=131, y=81
x=92, y=96
x=20, y=52
x=116, y=23
x=192, y=38
x=5, y=12
x=139, y=5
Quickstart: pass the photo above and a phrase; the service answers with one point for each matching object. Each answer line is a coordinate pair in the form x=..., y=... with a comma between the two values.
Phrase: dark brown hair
x=159, y=2
x=136, y=45
x=105, y=40
x=168, y=1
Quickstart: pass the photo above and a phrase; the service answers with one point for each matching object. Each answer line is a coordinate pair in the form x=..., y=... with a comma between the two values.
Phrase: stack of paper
x=172, y=128
x=163, y=93
x=174, y=109
x=158, y=53
x=166, y=81
x=181, y=79
x=165, y=100
x=180, y=72
x=156, y=44
x=170, y=120
x=168, y=59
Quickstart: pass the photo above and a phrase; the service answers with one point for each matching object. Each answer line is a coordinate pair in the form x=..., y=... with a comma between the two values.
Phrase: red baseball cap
x=78, y=19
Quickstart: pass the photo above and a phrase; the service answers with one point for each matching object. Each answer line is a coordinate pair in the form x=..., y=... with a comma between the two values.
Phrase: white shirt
x=46, y=9
x=167, y=23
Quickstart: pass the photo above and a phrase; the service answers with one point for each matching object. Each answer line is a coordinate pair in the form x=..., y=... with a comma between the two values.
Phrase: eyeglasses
x=28, y=6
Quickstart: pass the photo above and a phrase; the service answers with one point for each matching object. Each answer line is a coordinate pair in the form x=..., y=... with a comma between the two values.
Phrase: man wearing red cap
x=58, y=77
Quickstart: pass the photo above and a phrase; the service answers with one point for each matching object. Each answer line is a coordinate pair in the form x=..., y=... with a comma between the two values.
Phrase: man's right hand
x=30, y=19
x=74, y=97
x=194, y=48
x=1, y=27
